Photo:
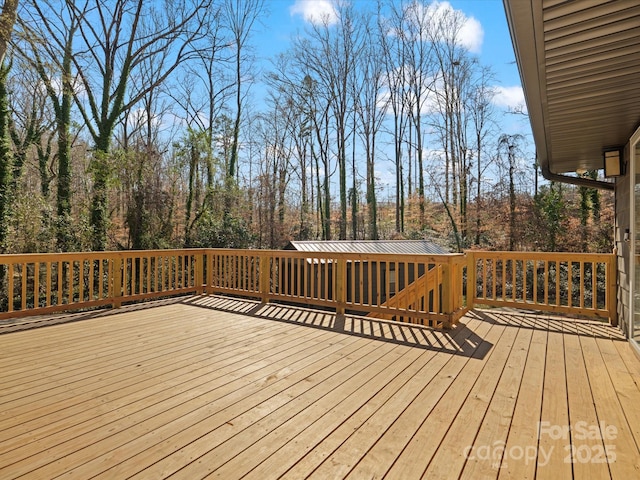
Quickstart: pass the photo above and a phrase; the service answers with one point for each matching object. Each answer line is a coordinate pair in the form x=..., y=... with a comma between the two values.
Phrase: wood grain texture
x=215, y=387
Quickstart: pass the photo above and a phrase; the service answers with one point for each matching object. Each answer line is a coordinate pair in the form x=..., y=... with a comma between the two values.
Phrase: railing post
x=199, y=272
x=116, y=281
x=456, y=293
x=214, y=279
x=471, y=278
x=341, y=290
x=265, y=277
x=447, y=292
x=209, y=275
x=610, y=294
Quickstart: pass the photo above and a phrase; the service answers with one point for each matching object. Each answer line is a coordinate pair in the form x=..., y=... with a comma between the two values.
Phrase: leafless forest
x=131, y=124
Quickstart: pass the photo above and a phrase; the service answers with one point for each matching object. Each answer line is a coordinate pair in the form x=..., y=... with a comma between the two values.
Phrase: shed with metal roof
x=408, y=247
x=384, y=277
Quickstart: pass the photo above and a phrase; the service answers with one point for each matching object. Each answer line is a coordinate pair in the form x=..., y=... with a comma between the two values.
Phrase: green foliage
x=192, y=140
x=149, y=218
x=102, y=168
x=550, y=211
x=76, y=230
x=103, y=164
x=26, y=229
x=6, y=157
x=34, y=226
x=226, y=232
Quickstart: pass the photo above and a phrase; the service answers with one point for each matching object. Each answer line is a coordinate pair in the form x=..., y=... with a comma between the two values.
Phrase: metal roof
x=412, y=247
x=579, y=63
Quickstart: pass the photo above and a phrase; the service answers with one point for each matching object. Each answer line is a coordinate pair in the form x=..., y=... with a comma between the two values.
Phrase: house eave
x=579, y=64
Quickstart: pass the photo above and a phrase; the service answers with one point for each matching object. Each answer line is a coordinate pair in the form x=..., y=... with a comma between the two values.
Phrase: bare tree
x=510, y=144
x=453, y=65
x=116, y=38
x=454, y=118
x=203, y=89
x=32, y=125
x=371, y=111
x=329, y=56
x=394, y=47
x=318, y=118
x=140, y=152
x=240, y=16
x=420, y=78
x=287, y=89
x=275, y=169
x=7, y=20
x=481, y=111
x=47, y=32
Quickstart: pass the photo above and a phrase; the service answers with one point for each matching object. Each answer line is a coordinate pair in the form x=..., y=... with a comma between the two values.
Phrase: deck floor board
x=214, y=387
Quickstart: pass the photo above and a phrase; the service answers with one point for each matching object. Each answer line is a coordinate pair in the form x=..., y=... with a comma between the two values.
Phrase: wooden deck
x=219, y=388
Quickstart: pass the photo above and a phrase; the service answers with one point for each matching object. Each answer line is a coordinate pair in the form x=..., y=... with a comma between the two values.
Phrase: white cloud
x=510, y=97
x=472, y=35
x=139, y=116
x=467, y=30
x=316, y=11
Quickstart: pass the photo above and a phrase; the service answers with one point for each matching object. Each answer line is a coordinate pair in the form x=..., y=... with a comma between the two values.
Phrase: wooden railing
x=572, y=283
x=427, y=289
x=358, y=283
x=34, y=284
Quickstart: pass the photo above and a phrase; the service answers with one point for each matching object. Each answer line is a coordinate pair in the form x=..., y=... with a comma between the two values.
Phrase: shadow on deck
x=216, y=387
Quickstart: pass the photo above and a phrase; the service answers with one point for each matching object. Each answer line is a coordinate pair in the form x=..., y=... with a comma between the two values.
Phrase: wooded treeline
x=136, y=124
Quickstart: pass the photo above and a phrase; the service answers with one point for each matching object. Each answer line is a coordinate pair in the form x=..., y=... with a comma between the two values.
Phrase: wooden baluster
x=36, y=285
x=447, y=292
x=583, y=289
x=378, y=299
x=610, y=290
x=92, y=272
x=340, y=285
x=81, y=280
x=471, y=278
x=10, y=292
x=265, y=277
x=525, y=266
x=49, y=280
x=557, y=283
x=569, y=283
x=494, y=278
x=116, y=281
x=534, y=296
x=24, y=278
x=514, y=279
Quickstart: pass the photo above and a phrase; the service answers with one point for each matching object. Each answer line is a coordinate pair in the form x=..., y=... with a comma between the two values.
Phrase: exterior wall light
x=613, y=166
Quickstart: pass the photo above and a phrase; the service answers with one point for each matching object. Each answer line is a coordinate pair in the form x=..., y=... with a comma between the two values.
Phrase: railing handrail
x=542, y=255
x=423, y=257
x=516, y=282
x=75, y=280
x=94, y=254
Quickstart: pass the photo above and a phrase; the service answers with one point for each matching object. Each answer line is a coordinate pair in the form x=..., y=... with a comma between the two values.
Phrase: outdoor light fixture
x=612, y=162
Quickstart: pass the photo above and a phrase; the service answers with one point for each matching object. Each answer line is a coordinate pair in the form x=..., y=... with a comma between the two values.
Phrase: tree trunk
x=6, y=158
x=7, y=19
x=354, y=195
x=63, y=122
x=478, y=192
x=512, y=200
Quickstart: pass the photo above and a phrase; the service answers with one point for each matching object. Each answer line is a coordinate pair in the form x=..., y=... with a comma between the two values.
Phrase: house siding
x=622, y=223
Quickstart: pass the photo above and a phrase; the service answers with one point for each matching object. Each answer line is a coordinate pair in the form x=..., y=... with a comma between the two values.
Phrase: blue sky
x=488, y=36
